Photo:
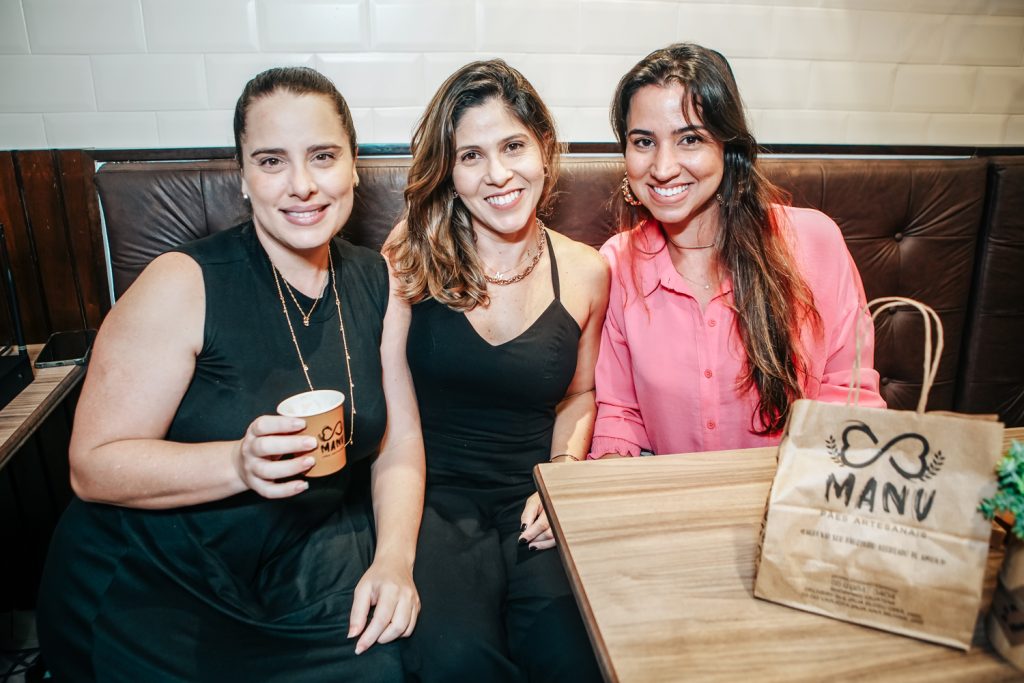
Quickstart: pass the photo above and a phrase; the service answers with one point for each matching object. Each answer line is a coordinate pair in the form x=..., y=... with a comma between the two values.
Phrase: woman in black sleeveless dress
x=194, y=551
x=503, y=335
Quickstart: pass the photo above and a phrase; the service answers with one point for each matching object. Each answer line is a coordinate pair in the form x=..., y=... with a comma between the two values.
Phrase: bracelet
x=564, y=455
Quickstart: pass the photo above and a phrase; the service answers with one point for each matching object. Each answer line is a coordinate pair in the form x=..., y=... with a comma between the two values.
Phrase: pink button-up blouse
x=668, y=374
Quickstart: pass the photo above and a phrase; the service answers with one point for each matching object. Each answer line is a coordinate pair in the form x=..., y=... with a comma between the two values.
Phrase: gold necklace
x=705, y=285
x=341, y=327
x=529, y=269
x=696, y=246
x=305, y=315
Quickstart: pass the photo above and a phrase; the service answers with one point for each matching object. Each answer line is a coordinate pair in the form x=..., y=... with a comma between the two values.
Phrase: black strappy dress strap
x=554, y=265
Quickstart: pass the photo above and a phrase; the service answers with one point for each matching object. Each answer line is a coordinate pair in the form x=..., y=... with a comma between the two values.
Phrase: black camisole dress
x=492, y=609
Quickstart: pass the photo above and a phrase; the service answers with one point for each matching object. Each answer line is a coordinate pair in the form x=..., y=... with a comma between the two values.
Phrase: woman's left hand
x=536, y=530
x=388, y=587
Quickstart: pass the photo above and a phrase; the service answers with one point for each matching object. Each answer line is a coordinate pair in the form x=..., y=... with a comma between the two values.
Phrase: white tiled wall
x=166, y=73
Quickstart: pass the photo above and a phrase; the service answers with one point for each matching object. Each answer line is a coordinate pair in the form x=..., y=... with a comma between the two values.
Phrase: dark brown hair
x=298, y=80
x=772, y=300
x=435, y=255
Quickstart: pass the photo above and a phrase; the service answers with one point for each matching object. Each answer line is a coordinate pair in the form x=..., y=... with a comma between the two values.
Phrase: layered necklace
x=305, y=321
x=705, y=285
x=497, y=278
x=305, y=315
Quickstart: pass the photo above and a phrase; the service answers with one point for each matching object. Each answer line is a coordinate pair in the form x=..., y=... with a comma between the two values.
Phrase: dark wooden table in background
x=22, y=416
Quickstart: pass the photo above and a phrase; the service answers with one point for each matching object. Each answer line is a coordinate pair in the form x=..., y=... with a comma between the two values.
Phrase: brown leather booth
x=992, y=372
x=949, y=232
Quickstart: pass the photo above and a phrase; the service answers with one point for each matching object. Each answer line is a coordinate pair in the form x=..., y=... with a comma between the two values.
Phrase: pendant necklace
x=332, y=276
x=705, y=285
x=304, y=314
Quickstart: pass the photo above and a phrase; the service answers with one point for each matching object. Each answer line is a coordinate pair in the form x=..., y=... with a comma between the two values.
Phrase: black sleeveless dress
x=492, y=609
x=243, y=588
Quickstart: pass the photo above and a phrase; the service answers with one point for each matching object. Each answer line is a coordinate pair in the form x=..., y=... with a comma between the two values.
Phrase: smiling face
x=298, y=170
x=499, y=169
x=674, y=166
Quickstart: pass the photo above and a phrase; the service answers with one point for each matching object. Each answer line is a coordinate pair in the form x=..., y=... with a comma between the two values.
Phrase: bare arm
x=141, y=366
x=398, y=478
x=574, y=415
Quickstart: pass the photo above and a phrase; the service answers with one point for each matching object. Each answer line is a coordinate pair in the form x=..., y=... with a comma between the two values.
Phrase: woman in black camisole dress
x=195, y=551
x=503, y=330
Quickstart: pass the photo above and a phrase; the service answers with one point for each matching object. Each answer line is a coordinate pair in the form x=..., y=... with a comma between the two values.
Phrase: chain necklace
x=526, y=255
x=341, y=326
x=496, y=280
x=681, y=246
x=304, y=314
x=696, y=246
x=705, y=285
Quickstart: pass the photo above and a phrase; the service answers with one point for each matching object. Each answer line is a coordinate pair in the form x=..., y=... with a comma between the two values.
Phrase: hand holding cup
x=325, y=421
x=261, y=457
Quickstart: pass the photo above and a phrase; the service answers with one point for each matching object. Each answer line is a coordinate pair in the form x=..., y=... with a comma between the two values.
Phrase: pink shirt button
x=708, y=373
x=711, y=424
x=712, y=322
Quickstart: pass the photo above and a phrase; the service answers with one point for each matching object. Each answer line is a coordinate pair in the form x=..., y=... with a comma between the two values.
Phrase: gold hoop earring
x=627, y=193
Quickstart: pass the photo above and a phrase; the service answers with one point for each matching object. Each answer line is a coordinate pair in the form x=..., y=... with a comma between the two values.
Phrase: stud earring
x=718, y=198
x=455, y=194
x=627, y=193
x=245, y=196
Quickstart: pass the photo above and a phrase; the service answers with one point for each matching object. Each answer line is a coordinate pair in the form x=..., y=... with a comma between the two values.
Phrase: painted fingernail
x=523, y=527
x=533, y=547
x=522, y=541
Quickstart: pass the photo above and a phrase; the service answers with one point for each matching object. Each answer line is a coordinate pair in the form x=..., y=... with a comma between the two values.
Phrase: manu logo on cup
x=329, y=432
x=332, y=438
x=324, y=416
x=908, y=454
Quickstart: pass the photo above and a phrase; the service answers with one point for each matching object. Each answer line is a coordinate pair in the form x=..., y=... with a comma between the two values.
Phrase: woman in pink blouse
x=726, y=305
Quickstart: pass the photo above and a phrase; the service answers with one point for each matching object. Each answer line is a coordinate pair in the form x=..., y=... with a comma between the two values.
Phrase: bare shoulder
x=169, y=276
x=579, y=261
x=167, y=298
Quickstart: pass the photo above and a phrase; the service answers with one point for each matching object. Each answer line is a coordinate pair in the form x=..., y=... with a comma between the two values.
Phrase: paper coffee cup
x=325, y=421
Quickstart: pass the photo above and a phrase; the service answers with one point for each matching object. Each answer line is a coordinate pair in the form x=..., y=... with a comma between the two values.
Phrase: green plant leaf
x=1009, y=496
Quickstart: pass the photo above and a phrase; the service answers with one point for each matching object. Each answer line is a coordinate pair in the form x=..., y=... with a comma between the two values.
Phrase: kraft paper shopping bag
x=873, y=514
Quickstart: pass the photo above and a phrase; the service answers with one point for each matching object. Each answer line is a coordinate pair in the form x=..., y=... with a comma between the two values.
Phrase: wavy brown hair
x=772, y=300
x=435, y=255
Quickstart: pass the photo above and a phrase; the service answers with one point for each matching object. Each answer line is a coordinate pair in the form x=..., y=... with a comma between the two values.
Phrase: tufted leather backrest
x=992, y=376
x=912, y=226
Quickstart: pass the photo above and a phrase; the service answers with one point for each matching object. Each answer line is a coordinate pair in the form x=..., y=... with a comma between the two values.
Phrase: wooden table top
x=661, y=555
x=26, y=411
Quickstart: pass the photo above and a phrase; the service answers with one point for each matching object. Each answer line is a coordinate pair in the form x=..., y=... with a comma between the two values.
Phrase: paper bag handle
x=931, y=359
